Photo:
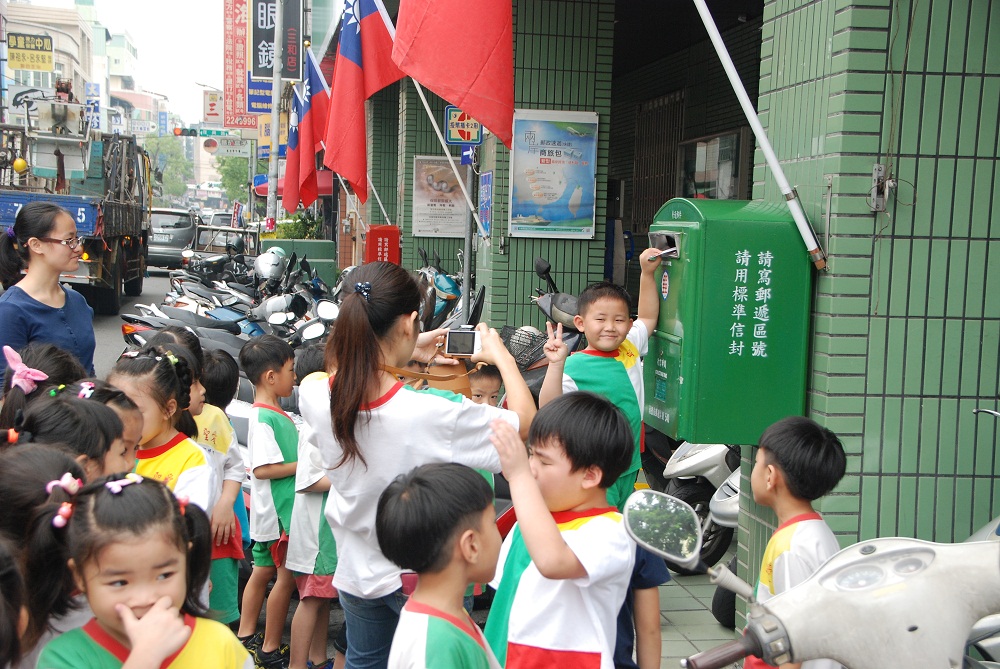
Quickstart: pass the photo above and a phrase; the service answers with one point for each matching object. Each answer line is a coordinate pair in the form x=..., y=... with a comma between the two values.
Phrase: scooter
x=526, y=343
x=891, y=603
x=693, y=474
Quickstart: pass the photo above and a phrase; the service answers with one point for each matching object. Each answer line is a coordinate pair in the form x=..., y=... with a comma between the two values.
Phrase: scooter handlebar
x=721, y=656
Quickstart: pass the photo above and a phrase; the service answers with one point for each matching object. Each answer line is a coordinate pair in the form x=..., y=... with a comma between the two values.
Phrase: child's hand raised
x=492, y=349
x=512, y=451
x=158, y=634
x=555, y=348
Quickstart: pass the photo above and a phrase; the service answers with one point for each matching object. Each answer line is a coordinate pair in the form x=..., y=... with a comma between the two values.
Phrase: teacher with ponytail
x=35, y=307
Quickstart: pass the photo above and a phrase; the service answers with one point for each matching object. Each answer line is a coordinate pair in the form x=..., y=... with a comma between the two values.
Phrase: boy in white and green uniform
x=438, y=520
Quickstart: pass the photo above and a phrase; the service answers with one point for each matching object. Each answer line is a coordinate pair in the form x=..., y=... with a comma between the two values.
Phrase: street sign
x=226, y=146
x=213, y=107
x=460, y=128
x=140, y=127
x=212, y=132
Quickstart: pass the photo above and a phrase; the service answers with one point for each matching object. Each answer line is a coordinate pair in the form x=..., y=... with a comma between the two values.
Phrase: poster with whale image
x=553, y=174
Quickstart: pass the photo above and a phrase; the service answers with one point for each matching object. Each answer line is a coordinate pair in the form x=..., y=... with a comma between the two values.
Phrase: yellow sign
x=264, y=134
x=29, y=52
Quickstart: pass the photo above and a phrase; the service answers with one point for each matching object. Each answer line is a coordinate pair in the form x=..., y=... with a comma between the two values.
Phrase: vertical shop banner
x=486, y=200
x=262, y=38
x=553, y=174
x=235, y=66
x=439, y=208
x=92, y=92
x=29, y=52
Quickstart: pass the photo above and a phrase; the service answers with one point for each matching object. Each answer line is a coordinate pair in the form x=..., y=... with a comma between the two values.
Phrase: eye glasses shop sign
x=262, y=41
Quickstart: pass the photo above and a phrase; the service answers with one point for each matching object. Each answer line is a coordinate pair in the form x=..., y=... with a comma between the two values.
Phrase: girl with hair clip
x=32, y=476
x=369, y=429
x=228, y=470
x=104, y=393
x=140, y=556
x=35, y=307
x=159, y=382
x=91, y=432
x=32, y=372
x=13, y=614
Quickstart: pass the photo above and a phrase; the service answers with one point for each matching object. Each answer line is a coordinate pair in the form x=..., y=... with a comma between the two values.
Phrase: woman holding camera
x=370, y=428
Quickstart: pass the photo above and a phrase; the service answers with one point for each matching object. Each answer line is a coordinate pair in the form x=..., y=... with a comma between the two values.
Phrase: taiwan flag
x=363, y=67
x=471, y=69
x=316, y=95
x=307, y=188
x=290, y=194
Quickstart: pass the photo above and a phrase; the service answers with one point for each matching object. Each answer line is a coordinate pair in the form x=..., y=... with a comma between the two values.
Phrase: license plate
x=161, y=238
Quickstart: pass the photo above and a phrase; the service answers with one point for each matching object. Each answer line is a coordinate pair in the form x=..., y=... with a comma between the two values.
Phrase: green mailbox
x=729, y=354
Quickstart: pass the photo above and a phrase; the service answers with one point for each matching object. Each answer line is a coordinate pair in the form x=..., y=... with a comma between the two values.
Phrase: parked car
x=172, y=232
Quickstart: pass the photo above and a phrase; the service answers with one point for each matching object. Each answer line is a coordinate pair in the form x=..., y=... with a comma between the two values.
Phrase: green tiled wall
x=906, y=334
x=562, y=60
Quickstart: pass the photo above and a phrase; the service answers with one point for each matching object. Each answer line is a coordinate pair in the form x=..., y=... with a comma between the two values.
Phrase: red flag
x=290, y=197
x=316, y=93
x=307, y=187
x=471, y=69
x=364, y=66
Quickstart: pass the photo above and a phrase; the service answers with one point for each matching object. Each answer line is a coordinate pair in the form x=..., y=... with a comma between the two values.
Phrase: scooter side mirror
x=187, y=253
x=327, y=310
x=278, y=318
x=664, y=525
x=314, y=330
x=542, y=267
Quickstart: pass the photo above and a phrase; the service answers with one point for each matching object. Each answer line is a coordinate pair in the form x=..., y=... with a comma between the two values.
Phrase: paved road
x=108, y=329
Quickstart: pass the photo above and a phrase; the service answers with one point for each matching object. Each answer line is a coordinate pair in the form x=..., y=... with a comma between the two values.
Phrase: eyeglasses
x=72, y=242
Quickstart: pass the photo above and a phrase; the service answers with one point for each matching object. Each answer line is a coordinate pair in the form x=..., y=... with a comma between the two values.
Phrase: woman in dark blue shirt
x=36, y=307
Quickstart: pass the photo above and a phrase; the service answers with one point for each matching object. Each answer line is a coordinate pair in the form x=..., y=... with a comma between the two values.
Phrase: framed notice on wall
x=439, y=208
x=553, y=174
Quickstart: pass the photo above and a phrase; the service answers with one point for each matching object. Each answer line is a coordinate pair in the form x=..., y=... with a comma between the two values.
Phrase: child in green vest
x=611, y=365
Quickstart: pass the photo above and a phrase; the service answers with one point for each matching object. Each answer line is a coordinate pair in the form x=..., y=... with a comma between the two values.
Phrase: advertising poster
x=439, y=208
x=553, y=174
x=235, y=64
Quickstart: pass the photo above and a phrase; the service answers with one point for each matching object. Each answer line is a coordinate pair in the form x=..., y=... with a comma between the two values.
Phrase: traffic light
x=186, y=132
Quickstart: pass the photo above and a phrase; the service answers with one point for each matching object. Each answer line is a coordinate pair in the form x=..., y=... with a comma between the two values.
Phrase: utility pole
x=272, y=166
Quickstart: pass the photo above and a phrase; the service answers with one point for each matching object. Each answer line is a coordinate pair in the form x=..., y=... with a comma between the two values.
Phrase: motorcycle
x=889, y=603
x=526, y=343
x=693, y=474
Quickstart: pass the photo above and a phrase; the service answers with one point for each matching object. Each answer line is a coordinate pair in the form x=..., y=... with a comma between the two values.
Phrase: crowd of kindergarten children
x=124, y=521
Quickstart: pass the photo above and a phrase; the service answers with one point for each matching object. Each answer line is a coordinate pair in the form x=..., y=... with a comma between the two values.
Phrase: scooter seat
x=192, y=318
x=246, y=290
x=205, y=293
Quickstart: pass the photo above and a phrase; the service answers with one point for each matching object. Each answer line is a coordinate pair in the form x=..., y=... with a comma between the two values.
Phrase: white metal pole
x=272, y=166
x=378, y=199
x=791, y=197
x=451, y=161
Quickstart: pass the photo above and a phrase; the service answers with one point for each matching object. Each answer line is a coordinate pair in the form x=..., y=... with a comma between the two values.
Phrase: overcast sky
x=179, y=43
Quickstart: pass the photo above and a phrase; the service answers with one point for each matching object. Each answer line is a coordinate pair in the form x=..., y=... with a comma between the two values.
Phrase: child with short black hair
x=273, y=442
x=221, y=377
x=484, y=384
x=798, y=461
x=438, y=520
x=566, y=565
x=309, y=360
x=611, y=365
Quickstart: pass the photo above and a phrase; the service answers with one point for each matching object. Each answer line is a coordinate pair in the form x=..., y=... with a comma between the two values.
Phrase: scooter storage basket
x=523, y=344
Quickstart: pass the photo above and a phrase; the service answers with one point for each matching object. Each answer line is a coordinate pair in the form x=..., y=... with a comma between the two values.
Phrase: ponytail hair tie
x=10, y=232
x=86, y=390
x=116, y=486
x=12, y=436
x=364, y=288
x=24, y=377
x=182, y=502
x=67, y=482
x=58, y=389
x=62, y=515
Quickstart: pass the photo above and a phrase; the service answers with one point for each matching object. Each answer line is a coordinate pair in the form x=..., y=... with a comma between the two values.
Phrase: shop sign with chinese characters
x=262, y=39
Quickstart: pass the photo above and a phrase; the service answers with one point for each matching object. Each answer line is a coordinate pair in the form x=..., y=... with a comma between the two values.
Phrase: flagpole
x=378, y=199
x=451, y=161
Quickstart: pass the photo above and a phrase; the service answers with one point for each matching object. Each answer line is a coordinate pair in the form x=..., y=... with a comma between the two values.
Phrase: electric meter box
x=730, y=351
